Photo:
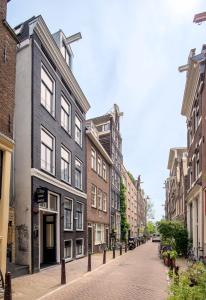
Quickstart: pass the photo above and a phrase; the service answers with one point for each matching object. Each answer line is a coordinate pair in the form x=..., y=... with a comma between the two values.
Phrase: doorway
x=49, y=239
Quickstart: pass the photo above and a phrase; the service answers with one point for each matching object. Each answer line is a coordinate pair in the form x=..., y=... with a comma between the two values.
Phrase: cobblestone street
x=139, y=274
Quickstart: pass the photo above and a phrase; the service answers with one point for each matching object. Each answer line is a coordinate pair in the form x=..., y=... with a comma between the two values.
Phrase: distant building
x=98, y=190
x=7, y=102
x=50, y=153
x=131, y=202
x=176, y=188
x=108, y=127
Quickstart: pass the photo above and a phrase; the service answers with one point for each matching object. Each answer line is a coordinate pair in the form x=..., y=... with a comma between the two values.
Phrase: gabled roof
x=173, y=154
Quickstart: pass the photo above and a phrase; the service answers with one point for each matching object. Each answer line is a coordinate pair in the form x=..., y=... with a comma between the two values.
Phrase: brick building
x=131, y=202
x=98, y=190
x=175, y=204
x=194, y=109
x=50, y=156
x=141, y=209
x=8, y=43
x=108, y=127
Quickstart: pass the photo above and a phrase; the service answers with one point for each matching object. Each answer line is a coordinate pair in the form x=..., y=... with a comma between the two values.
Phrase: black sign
x=41, y=195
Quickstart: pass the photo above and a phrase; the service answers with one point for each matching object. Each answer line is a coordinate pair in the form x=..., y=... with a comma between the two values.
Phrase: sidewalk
x=31, y=287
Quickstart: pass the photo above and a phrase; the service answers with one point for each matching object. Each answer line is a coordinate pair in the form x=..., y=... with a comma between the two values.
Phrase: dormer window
x=66, y=54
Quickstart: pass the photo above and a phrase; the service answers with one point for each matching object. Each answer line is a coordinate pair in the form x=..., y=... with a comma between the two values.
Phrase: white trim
x=42, y=128
x=80, y=255
x=50, y=179
x=80, y=229
x=72, y=215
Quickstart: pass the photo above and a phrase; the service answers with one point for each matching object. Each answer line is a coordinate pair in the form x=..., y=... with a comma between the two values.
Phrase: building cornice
x=193, y=75
x=99, y=146
x=38, y=25
x=41, y=175
x=6, y=143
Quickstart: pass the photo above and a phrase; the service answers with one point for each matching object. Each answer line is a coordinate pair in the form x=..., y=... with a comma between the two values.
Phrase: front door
x=49, y=239
x=90, y=239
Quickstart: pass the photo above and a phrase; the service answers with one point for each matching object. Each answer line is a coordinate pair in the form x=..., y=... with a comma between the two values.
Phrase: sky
x=129, y=54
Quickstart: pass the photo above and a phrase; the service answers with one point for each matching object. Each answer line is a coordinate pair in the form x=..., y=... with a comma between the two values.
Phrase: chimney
x=3, y=9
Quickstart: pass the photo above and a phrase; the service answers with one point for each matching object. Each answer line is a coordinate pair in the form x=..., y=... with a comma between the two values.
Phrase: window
x=113, y=200
x=51, y=204
x=99, y=234
x=47, y=91
x=1, y=170
x=78, y=174
x=93, y=159
x=113, y=177
x=68, y=214
x=78, y=131
x=79, y=247
x=197, y=165
x=65, y=165
x=99, y=166
x=47, y=151
x=68, y=249
x=79, y=216
x=104, y=171
x=99, y=199
x=65, y=114
x=94, y=195
x=104, y=201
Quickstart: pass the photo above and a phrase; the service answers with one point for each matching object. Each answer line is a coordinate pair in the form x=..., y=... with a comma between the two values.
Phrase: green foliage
x=131, y=177
x=151, y=228
x=172, y=230
x=191, y=284
x=170, y=253
x=123, y=207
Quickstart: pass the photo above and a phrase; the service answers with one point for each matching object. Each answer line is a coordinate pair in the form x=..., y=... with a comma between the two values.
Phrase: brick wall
x=7, y=75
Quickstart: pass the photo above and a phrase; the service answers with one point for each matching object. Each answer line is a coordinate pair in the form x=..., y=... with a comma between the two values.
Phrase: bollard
x=120, y=250
x=113, y=249
x=7, y=291
x=89, y=268
x=125, y=248
x=63, y=271
x=104, y=256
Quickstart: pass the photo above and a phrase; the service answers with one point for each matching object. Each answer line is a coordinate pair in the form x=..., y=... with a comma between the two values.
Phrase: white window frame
x=72, y=214
x=79, y=255
x=76, y=159
x=104, y=170
x=68, y=114
x=93, y=159
x=104, y=202
x=100, y=200
x=53, y=151
x=79, y=129
x=99, y=165
x=67, y=162
x=102, y=234
x=69, y=258
x=82, y=228
x=95, y=201
x=52, y=112
x=46, y=205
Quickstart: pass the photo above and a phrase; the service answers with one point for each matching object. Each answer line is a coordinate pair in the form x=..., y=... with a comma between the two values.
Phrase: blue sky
x=129, y=54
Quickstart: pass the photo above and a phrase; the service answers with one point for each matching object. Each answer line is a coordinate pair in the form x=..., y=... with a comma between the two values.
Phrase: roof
x=174, y=153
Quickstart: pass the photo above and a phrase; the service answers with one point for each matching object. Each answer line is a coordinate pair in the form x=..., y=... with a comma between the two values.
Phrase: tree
x=123, y=207
x=151, y=228
x=149, y=209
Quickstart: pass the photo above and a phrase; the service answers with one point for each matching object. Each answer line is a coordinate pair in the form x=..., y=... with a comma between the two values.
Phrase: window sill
x=49, y=173
x=80, y=145
x=68, y=230
x=67, y=182
x=80, y=229
x=68, y=259
x=80, y=256
x=67, y=132
x=93, y=206
x=52, y=115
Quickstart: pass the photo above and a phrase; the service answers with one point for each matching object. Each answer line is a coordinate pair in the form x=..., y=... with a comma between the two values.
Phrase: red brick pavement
x=139, y=275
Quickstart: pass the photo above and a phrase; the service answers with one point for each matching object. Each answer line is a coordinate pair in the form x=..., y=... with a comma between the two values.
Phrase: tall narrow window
x=104, y=201
x=65, y=165
x=78, y=131
x=99, y=166
x=197, y=165
x=94, y=195
x=79, y=247
x=78, y=174
x=99, y=199
x=104, y=171
x=47, y=151
x=65, y=114
x=68, y=214
x=68, y=249
x=47, y=91
x=79, y=216
x=93, y=159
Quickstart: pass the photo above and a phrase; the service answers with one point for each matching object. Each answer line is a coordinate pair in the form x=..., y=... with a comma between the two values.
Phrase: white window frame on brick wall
x=99, y=234
x=104, y=202
x=47, y=91
x=99, y=197
x=66, y=257
x=47, y=148
x=93, y=159
x=99, y=166
x=78, y=171
x=93, y=195
x=82, y=254
x=78, y=130
x=82, y=216
x=65, y=114
x=66, y=208
x=104, y=170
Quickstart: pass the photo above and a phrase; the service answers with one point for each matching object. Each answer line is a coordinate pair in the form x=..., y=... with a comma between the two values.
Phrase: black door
x=90, y=239
x=49, y=238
